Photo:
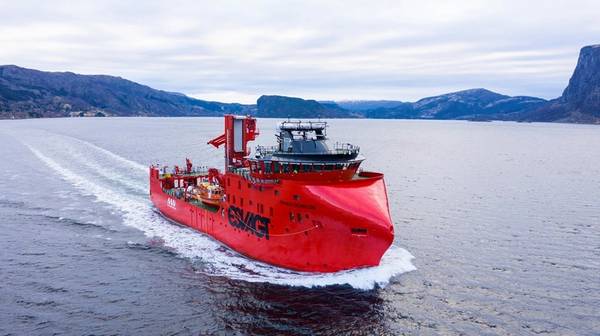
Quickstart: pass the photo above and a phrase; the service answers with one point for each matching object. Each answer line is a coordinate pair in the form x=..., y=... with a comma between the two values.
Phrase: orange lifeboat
x=210, y=193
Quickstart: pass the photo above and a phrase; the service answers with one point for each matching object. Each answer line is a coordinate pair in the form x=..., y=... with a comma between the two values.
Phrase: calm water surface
x=503, y=221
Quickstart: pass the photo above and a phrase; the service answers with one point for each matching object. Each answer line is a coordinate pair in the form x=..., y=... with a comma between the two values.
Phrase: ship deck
x=196, y=203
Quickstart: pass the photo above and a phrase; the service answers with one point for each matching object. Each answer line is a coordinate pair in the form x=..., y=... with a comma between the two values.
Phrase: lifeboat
x=209, y=193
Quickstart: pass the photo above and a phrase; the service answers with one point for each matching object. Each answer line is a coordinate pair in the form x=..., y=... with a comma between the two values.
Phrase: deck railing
x=337, y=149
x=196, y=171
x=245, y=173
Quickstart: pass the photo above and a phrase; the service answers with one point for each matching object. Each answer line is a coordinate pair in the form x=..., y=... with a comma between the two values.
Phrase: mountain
x=580, y=101
x=32, y=93
x=26, y=93
x=473, y=104
x=282, y=107
x=468, y=104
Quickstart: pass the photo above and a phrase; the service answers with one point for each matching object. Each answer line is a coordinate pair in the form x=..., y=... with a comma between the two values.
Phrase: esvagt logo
x=251, y=222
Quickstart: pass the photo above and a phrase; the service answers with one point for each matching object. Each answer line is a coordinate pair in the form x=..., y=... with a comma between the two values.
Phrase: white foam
x=117, y=157
x=109, y=172
x=218, y=261
x=106, y=164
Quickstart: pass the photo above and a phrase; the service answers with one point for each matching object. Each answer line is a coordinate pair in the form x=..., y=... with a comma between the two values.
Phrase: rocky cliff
x=580, y=101
x=583, y=92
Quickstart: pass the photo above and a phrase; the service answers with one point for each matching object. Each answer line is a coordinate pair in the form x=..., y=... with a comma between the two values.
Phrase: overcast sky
x=340, y=50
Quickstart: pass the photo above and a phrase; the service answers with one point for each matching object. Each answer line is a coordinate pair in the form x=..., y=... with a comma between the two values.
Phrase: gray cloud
x=236, y=51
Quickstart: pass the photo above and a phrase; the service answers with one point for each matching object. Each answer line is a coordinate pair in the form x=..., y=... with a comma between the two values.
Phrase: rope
x=292, y=233
x=280, y=234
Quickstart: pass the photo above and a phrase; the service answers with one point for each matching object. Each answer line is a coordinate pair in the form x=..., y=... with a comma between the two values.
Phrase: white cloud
x=236, y=51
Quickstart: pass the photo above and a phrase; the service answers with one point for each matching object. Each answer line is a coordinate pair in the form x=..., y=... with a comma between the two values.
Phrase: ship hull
x=305, y=227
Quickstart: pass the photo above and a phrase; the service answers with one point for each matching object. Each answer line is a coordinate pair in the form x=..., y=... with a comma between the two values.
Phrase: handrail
x=245, y=173
x=202, y=171
x=338, y=148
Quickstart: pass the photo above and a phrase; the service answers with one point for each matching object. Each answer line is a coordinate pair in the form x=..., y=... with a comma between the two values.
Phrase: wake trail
x=127, y=162
x=106, y=164
x=112, y=174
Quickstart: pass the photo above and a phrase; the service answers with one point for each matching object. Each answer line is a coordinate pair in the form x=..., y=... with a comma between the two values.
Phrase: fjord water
x=503, y=221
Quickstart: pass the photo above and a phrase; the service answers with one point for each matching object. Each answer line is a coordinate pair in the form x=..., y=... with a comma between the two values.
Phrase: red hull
x=300, y=225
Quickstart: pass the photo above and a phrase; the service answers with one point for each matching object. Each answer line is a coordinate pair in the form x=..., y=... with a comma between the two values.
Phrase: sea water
x=497, y=232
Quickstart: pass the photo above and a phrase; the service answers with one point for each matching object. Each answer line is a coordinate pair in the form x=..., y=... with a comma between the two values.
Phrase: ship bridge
x=303, y=150
x=306, y=141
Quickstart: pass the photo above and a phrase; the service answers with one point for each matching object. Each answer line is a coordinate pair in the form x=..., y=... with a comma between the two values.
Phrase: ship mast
x=239, y=130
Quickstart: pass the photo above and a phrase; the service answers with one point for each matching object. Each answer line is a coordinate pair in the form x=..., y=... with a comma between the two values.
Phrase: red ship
x=302, y=204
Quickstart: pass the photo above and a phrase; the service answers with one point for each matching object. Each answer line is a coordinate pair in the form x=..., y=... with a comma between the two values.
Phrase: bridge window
x=276, y=167
x=268, y=167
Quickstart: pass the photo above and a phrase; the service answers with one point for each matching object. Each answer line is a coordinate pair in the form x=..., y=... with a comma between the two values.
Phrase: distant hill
x=28, y=93
x=470, y=104
x=282, y=107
